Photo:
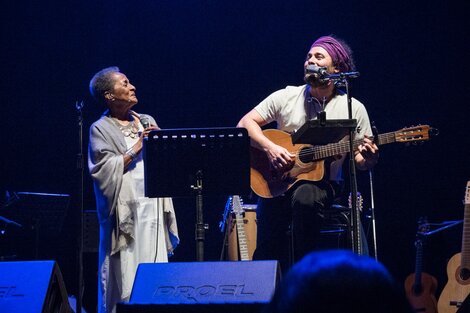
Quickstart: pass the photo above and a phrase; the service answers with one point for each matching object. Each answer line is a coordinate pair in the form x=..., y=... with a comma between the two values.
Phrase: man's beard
x=314, y=81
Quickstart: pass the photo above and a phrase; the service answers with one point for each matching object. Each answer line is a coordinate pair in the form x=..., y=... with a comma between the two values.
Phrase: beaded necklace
x=129, y=130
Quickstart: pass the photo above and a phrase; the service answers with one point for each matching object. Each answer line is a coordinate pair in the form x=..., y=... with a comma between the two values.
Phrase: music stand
x=42, y=212
x=322, y=131
x=203, y=161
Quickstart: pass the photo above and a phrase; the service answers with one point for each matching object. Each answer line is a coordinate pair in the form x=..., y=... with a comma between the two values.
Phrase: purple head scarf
x=340, y=55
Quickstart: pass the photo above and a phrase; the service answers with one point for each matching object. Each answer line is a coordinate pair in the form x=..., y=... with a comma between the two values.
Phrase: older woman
x=133, y=228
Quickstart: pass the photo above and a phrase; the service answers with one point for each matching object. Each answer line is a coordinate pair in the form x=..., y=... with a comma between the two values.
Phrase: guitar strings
x=320, y=152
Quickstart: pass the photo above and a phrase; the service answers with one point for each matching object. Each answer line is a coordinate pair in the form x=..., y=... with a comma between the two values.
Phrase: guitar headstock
x=237, y=204
x=415, y=134
x=359, y=201
x=423, y=226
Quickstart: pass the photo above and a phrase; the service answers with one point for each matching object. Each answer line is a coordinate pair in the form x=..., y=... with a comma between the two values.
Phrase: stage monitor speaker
x=191, y=308
x=194, y=286
x=32, y=286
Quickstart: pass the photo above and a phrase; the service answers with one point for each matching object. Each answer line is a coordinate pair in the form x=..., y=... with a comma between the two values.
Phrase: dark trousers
x=288, y=226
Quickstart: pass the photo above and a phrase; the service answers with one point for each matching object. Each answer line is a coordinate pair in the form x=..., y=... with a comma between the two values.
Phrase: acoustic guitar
x=421, y=287
x=457, y=288
x=309, y=160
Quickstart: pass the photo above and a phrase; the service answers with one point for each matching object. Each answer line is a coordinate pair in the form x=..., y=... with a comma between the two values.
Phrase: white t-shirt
x=292, y=106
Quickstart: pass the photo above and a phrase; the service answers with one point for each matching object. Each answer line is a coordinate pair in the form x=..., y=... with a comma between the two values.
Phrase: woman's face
x=123, y=93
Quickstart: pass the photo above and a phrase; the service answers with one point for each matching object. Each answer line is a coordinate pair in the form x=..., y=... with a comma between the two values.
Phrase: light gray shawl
x=115, y=196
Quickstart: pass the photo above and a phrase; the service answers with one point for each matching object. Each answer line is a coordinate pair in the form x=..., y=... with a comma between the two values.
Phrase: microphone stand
x=372, y=213
x=342, y=79
x=80, y=168
x=375, y=133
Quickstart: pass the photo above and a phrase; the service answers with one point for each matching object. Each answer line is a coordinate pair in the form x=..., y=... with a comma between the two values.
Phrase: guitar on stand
x=362, y=236
x=455, y=295
x=240, y=235
x=421, y=287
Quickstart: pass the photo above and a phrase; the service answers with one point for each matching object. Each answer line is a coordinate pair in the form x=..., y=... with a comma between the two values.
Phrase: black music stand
x=323, y=131
x=43, y=213
x=203, y=161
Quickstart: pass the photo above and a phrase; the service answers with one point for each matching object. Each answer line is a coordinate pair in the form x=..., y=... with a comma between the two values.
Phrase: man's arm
x=277, y=155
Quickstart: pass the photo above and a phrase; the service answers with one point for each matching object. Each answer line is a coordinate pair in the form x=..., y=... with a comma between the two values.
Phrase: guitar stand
x=442, y=226
x=177, y=160
x=224, y=227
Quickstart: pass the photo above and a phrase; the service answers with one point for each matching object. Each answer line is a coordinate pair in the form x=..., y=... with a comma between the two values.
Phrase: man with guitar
x=288, y=222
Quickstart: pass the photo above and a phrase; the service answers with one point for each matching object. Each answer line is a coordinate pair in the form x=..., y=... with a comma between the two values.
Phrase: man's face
x=318, y=56
x=123, y=92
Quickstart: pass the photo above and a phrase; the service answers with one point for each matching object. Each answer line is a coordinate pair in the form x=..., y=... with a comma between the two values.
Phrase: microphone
x=316, y=71
x=144, y=120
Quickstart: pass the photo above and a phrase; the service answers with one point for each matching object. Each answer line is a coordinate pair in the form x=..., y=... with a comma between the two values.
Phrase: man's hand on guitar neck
x=367, y=154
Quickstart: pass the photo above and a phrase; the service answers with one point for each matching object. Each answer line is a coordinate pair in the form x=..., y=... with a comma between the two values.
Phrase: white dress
x=149, y=245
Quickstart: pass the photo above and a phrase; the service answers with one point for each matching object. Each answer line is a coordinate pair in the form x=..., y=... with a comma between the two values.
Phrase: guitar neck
x=466, y=232
x=242, y=240
x=418, y=264
x=322, y=152
x=466, y=238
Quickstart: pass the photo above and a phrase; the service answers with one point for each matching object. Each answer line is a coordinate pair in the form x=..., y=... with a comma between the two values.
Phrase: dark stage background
x=205, y=64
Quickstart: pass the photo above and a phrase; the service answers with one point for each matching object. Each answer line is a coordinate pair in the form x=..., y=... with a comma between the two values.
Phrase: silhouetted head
x=338, y=281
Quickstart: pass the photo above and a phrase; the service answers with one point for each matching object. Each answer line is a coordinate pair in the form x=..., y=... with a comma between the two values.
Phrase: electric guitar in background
x=457, y=288
x=421, y=287
x=309, y=160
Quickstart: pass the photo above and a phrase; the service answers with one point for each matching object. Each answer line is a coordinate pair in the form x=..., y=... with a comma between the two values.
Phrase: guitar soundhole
x=417, y=289
x=305, y=156
x=464, y=273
